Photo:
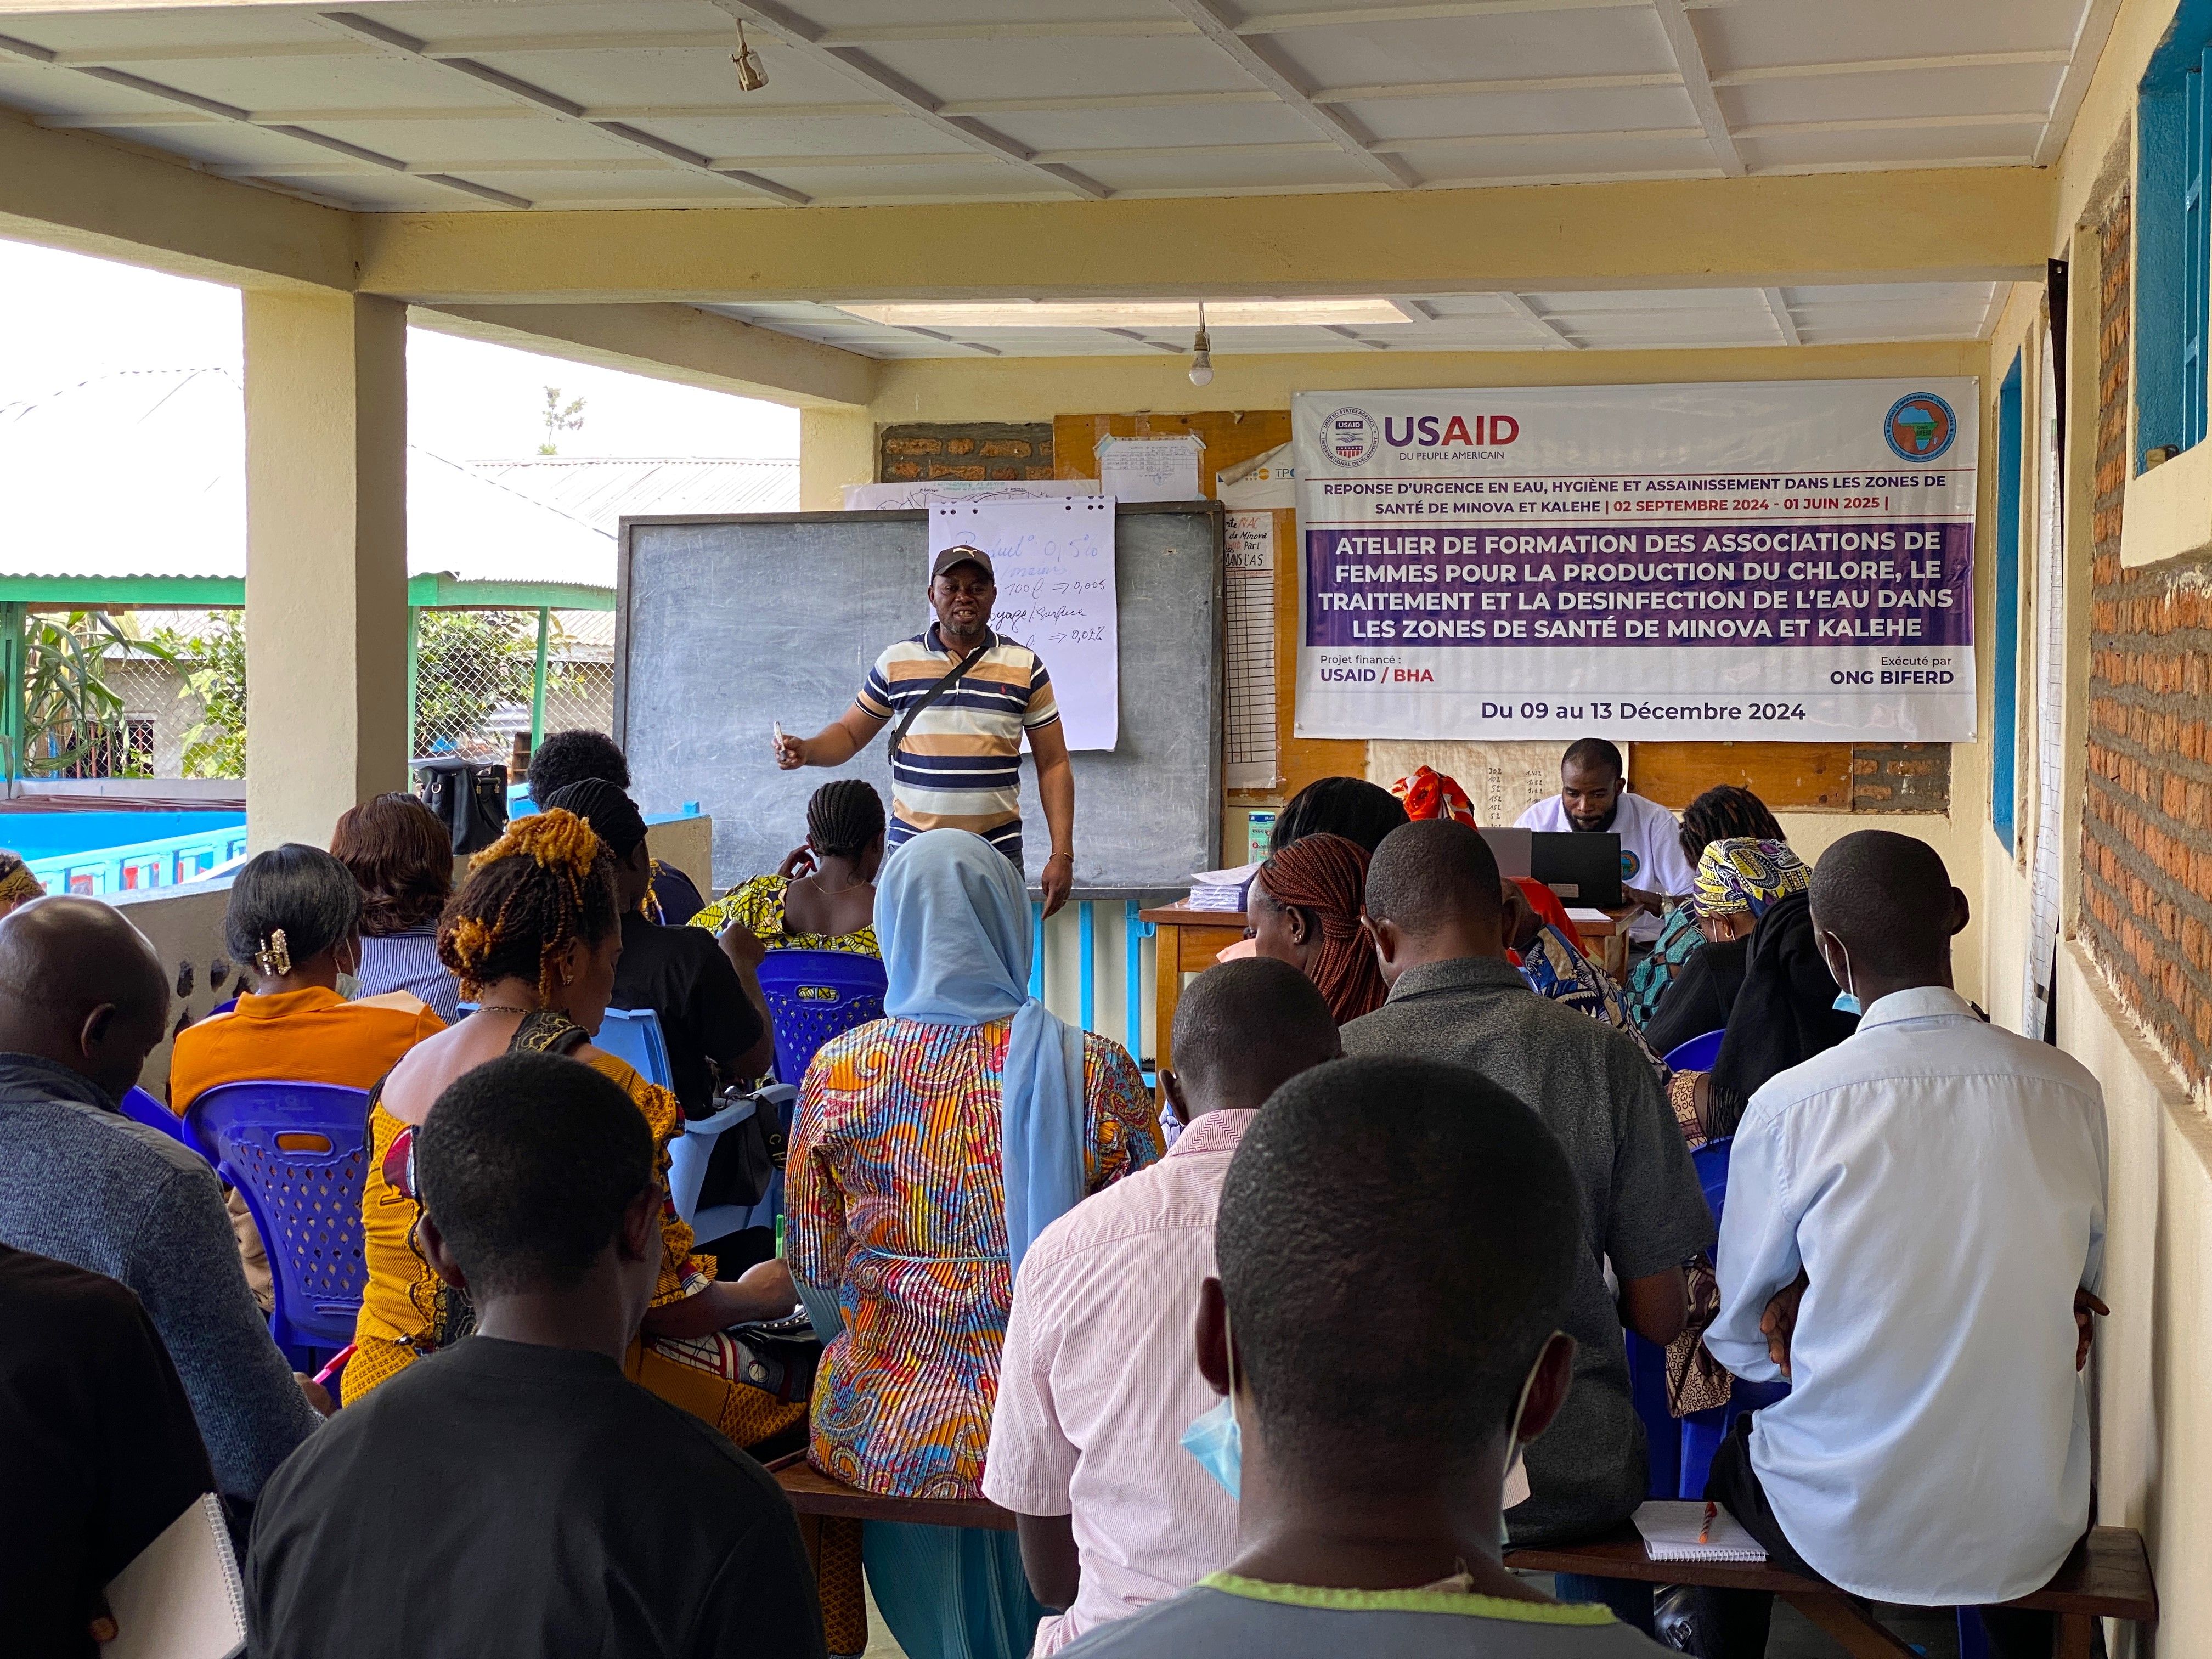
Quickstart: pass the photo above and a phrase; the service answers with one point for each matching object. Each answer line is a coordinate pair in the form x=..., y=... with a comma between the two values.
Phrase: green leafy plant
x=468, y=664
x=70, y=710
x=213, y=663
x=559, y=417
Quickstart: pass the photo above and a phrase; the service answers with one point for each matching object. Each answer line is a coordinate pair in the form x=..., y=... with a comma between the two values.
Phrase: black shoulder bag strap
x=907, y=720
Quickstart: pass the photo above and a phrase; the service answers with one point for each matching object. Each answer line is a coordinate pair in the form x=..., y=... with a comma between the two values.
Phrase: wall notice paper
x=1760, y=560
x=1151, y=469
x=1249, y=681
x=874, y=497
x=1054, y=560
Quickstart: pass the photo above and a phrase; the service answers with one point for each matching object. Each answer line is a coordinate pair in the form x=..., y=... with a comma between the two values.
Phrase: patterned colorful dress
x=897, y=1206
x=1555, y=967
x=757, y=905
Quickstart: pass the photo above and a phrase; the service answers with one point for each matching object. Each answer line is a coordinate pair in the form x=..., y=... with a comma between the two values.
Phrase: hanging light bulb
x=1202, y=352
x=751, y=77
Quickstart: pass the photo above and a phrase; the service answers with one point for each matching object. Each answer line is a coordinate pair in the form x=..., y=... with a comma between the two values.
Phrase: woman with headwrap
x=1784, y=1011
x=1724, y=812
x=1304, y=908
x=1430, y=793
x=1738, y=881
x=932, y=1147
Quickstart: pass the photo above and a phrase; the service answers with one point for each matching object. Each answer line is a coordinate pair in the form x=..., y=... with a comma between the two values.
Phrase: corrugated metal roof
x=600, y=491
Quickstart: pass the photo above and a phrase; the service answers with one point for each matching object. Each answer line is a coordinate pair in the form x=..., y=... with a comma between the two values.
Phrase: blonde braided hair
x=546, y=884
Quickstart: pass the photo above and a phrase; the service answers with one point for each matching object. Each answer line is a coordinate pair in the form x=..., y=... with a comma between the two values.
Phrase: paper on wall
x=875, y=497
x=1151, y=469
x=1054, y=560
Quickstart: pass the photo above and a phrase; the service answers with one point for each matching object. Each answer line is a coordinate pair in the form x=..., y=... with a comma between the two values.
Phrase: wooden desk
x=1607, y=940
x=1188, y=942
x=814, y=1493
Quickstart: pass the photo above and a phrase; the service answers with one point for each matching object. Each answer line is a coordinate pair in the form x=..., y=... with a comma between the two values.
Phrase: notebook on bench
x=1670, y=1528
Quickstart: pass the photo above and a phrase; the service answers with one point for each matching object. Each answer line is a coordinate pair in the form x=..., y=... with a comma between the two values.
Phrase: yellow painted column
x=836, y=447
x=325, y=558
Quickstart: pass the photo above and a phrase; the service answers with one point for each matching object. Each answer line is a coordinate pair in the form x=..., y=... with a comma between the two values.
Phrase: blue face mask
x=1847, y=1000
x=1217, y=1441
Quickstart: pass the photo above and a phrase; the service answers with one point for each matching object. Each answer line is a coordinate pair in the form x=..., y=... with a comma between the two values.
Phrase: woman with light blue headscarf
x=932, y=1147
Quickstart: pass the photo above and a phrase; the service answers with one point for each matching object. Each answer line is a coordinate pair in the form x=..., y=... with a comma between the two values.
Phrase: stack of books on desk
x=1221, y=889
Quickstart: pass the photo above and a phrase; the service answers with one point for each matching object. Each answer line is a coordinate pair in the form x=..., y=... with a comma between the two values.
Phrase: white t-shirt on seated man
x=1594, y=798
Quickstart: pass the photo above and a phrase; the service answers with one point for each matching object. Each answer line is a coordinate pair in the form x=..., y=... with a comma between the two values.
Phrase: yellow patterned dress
x=897, y=1206
x=757, y=906
x=408, y=1311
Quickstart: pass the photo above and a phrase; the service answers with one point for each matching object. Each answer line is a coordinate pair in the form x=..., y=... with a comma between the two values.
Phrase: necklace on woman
x=491, y=1008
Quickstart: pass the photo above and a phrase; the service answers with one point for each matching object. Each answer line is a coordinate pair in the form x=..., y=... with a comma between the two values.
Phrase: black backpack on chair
x=468, y=798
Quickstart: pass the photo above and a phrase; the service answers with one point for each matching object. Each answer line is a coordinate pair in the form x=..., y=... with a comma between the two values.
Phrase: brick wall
x=966, y=449
x=1901, y=777
x=2146, y=818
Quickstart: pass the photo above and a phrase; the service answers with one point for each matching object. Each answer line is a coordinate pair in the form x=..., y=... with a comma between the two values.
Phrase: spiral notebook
x=1670, y=1528
x=182, y=1597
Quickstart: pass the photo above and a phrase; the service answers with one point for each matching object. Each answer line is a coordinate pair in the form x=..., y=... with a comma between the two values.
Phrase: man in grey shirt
x=1433, y=907
x=82, y=1002
x=1397, y=1241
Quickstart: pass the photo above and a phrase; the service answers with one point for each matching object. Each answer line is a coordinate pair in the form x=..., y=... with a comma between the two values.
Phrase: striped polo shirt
x=960, y=766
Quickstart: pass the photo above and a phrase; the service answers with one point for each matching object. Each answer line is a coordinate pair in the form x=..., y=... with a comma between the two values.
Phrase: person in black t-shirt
x=514, y=1494
x=567, y=757
x=99, y=1451
x=713, y=1017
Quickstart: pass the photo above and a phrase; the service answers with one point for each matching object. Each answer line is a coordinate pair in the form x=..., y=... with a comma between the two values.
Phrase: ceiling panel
x=1900, y=147
x=1612, y=41
x=1822, y=31
x=1938, y=93
x=1614, y=110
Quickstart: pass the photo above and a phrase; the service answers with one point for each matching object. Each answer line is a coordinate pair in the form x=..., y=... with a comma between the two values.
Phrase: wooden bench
x=2107, y=1576
x=817, y=1497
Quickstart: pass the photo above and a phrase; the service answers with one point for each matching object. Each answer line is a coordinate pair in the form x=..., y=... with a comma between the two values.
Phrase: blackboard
x=725, y=624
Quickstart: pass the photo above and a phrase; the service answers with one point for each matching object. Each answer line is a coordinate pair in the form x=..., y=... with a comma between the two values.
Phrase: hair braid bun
x=546, y=885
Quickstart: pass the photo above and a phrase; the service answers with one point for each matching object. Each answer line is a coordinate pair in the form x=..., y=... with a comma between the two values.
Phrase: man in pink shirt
x=1099, y=1379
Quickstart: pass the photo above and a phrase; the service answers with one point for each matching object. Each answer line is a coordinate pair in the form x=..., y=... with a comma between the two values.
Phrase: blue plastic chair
x=1647, y=1392
x=633, y=1035
x=814, y=995
x=142, y=1108
x=1697, y=1055
x=298, y=1152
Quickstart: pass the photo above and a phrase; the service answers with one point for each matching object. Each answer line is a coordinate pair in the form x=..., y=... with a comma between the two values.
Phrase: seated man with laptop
x=1593, y=800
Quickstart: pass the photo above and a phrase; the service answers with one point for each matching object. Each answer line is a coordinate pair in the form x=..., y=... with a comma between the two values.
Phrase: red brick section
x=968, y=449
x=1901, y=777
x=2146, y=819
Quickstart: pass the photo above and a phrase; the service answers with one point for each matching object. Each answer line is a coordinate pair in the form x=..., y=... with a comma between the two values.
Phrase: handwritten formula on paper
x=1054, y=560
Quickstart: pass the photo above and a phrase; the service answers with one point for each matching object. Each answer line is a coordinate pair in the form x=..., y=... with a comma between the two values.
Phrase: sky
x=465, y=400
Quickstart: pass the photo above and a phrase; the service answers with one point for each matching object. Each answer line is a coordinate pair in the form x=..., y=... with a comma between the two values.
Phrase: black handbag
x=746, y=1155
x=779, y=1356
x=468, y=798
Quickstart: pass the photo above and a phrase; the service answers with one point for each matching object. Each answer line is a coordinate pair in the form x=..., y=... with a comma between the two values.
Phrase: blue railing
x=1134, y=933
x=166, y=863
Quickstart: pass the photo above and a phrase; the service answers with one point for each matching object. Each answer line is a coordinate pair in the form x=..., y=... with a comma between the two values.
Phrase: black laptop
x=1583, y=870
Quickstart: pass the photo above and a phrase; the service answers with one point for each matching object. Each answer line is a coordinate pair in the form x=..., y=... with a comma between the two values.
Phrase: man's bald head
x=1888, y=902
x=79, y=985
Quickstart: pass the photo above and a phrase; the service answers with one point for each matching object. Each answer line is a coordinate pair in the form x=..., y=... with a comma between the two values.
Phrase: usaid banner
x=1789, y=560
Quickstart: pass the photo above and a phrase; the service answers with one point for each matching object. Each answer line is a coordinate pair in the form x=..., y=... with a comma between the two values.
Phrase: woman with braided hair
x=824, y=897
x=533, y=938
x=1305, y=904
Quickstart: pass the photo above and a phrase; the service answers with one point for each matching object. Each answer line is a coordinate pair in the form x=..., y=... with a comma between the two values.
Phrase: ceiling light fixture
x=751, y=77
x=1202, y=352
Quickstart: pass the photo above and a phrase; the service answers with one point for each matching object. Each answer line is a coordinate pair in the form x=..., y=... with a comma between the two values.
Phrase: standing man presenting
x=962, y=697
x=1594, y=798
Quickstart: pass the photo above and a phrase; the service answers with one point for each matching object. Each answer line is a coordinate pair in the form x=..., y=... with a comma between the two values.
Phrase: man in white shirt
x=1913, y=1235
x=1099, y=1380
x=1594, y=799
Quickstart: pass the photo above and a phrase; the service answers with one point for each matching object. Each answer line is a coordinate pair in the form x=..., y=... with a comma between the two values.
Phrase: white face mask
x=348, y=985
x=1517, y=1472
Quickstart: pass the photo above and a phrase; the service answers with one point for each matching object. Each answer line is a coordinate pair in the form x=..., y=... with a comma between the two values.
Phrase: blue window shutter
x=2004, y=717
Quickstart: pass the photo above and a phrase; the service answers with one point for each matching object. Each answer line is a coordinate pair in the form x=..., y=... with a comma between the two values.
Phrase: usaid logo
x=1349, y=437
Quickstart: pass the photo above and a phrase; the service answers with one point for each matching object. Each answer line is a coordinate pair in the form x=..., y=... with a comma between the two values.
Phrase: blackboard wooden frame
x=1154, y=886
